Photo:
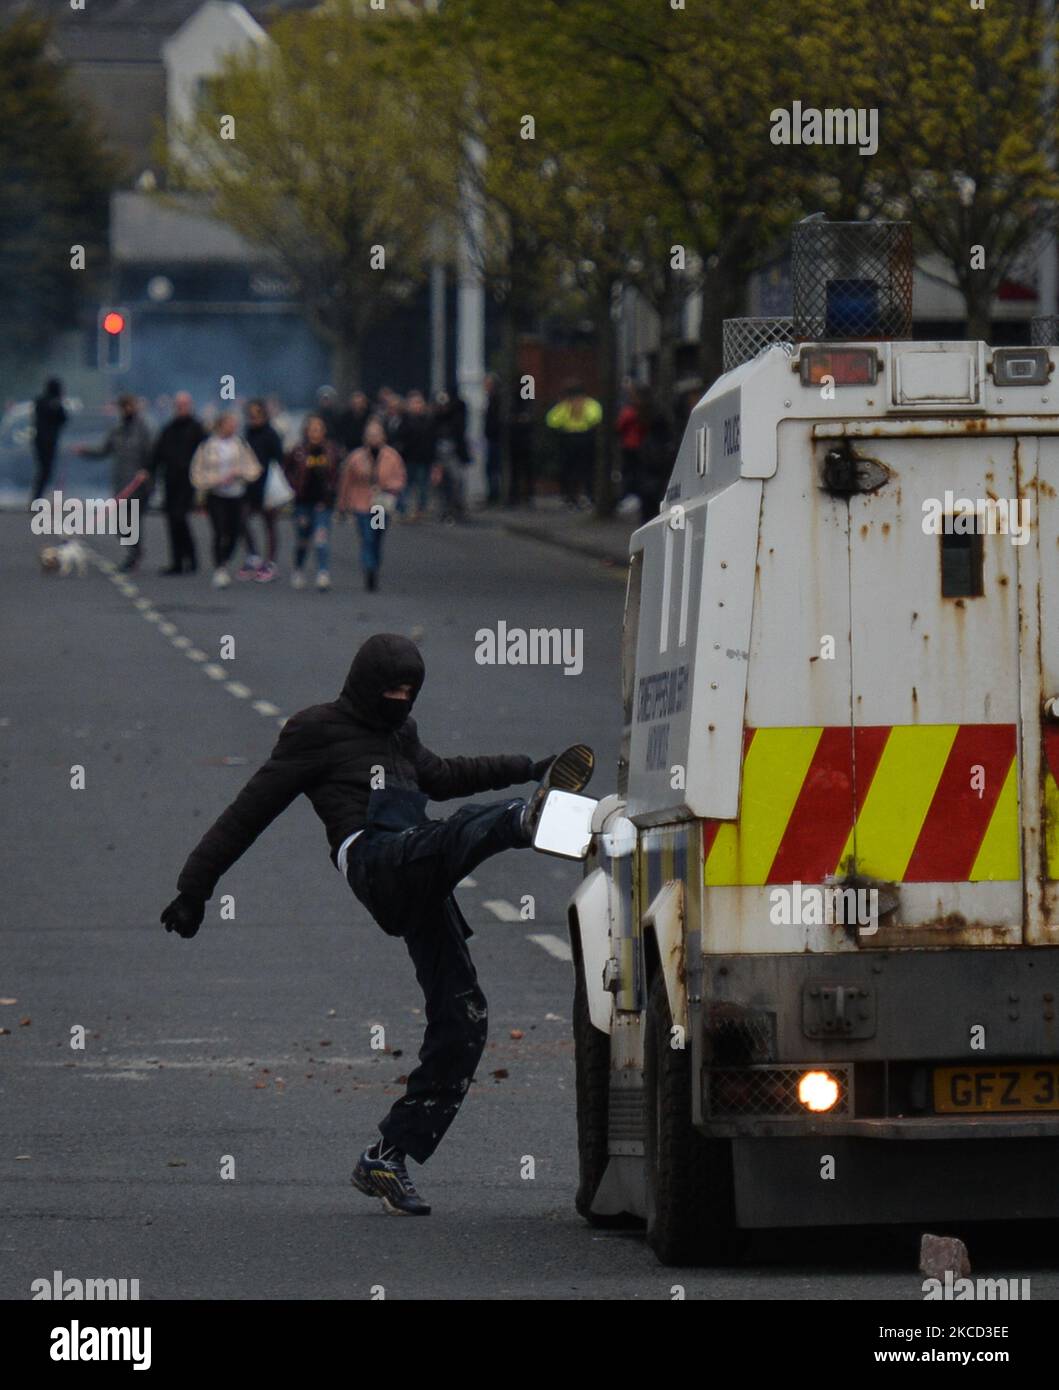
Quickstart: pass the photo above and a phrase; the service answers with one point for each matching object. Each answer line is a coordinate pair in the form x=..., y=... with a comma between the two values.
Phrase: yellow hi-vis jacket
x=562, y=417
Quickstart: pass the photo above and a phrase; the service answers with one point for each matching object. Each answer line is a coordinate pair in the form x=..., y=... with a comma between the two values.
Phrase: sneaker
x=250, y=569
x=221, y=578
x=323, y=581
x=570, y=771
x=297, y=580
x=380, y=1172
x=266, y=573
x=371, y=580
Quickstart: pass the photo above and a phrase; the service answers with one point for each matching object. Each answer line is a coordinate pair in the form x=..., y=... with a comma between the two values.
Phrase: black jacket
x=48, y=419
x=351, y=428
x=332, y=754
x=417, y=438
x=173, y=451
x=268, y=448
x=266, y=444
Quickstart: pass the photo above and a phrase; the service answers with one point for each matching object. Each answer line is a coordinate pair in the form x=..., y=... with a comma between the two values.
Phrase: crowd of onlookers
x=365, y=462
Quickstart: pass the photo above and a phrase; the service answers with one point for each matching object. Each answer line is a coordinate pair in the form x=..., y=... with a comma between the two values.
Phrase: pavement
x=578, y=532
x=201, y=1139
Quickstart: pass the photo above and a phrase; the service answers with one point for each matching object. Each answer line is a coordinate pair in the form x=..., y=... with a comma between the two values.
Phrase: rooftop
x=128, y=31
x=173, y=228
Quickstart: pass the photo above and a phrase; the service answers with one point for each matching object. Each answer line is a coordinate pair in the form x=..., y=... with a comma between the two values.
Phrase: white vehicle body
x=841, y=642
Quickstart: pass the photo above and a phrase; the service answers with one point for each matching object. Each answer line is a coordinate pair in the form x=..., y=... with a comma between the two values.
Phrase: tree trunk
x=607, y=357
x=665, y=384
x=978, y=302
x=507, y=385
x=723, y=297
x=346, y=364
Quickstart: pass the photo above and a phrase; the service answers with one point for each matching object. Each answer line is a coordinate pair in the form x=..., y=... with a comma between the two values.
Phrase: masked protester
x=401, y=865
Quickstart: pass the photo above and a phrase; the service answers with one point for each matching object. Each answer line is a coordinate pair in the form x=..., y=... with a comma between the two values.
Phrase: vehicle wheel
x=690, y=1205
x=592, y=1071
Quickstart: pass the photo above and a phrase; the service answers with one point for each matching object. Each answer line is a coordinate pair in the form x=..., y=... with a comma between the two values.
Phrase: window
x=961, y=566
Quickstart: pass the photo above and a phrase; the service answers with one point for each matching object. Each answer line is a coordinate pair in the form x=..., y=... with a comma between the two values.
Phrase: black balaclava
x=383, y=662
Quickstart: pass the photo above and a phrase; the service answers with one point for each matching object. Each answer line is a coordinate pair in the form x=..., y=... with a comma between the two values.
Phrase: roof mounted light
x=844, y=366
x=1021, y=366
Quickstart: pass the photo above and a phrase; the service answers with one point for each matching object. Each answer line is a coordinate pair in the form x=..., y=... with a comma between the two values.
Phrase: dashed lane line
x=554, y=945
x=500, y=908
x=145, y=607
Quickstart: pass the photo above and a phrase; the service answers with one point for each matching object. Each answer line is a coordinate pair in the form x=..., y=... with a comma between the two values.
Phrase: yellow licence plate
x=977, y=1090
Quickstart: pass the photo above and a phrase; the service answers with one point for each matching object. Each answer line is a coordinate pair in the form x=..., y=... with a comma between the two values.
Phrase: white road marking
x=507, y=912
x=554, y=945
x=168, y=629
x=467, y=883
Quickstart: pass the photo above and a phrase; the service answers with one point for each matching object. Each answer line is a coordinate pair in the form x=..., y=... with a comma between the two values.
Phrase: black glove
x=540, y=768
x=184, y=915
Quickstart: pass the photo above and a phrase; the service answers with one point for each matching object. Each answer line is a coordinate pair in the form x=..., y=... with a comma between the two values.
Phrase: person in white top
x=222, y=466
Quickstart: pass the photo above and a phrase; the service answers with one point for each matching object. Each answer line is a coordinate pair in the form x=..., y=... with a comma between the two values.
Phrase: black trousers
x=405, y=878
x=181, y=542
x=45, y=458
x=576, y=462
x=226, y=518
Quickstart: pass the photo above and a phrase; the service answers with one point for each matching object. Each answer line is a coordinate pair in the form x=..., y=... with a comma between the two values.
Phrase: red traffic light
x=113, y=323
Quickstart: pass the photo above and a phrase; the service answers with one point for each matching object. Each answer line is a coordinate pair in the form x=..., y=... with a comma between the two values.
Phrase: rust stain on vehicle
x=951, y=929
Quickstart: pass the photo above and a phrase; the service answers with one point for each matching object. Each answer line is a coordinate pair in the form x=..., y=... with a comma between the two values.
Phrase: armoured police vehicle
x=817, y=981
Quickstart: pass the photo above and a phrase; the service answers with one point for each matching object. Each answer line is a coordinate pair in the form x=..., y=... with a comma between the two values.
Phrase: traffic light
x=113, y=345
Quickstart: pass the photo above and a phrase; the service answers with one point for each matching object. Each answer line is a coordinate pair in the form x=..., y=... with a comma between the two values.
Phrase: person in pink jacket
x=373, y=477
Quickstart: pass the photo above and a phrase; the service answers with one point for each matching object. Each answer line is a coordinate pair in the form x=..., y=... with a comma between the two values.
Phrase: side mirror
x=565, y=825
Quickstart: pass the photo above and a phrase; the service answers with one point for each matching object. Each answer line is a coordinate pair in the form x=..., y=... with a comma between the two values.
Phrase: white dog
x=65, y=558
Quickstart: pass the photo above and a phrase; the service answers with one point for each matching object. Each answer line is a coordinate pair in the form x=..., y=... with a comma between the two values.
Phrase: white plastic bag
x=278, y=492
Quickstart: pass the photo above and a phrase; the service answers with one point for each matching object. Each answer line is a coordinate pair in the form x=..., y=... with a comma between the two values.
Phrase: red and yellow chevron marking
x=899, y=803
